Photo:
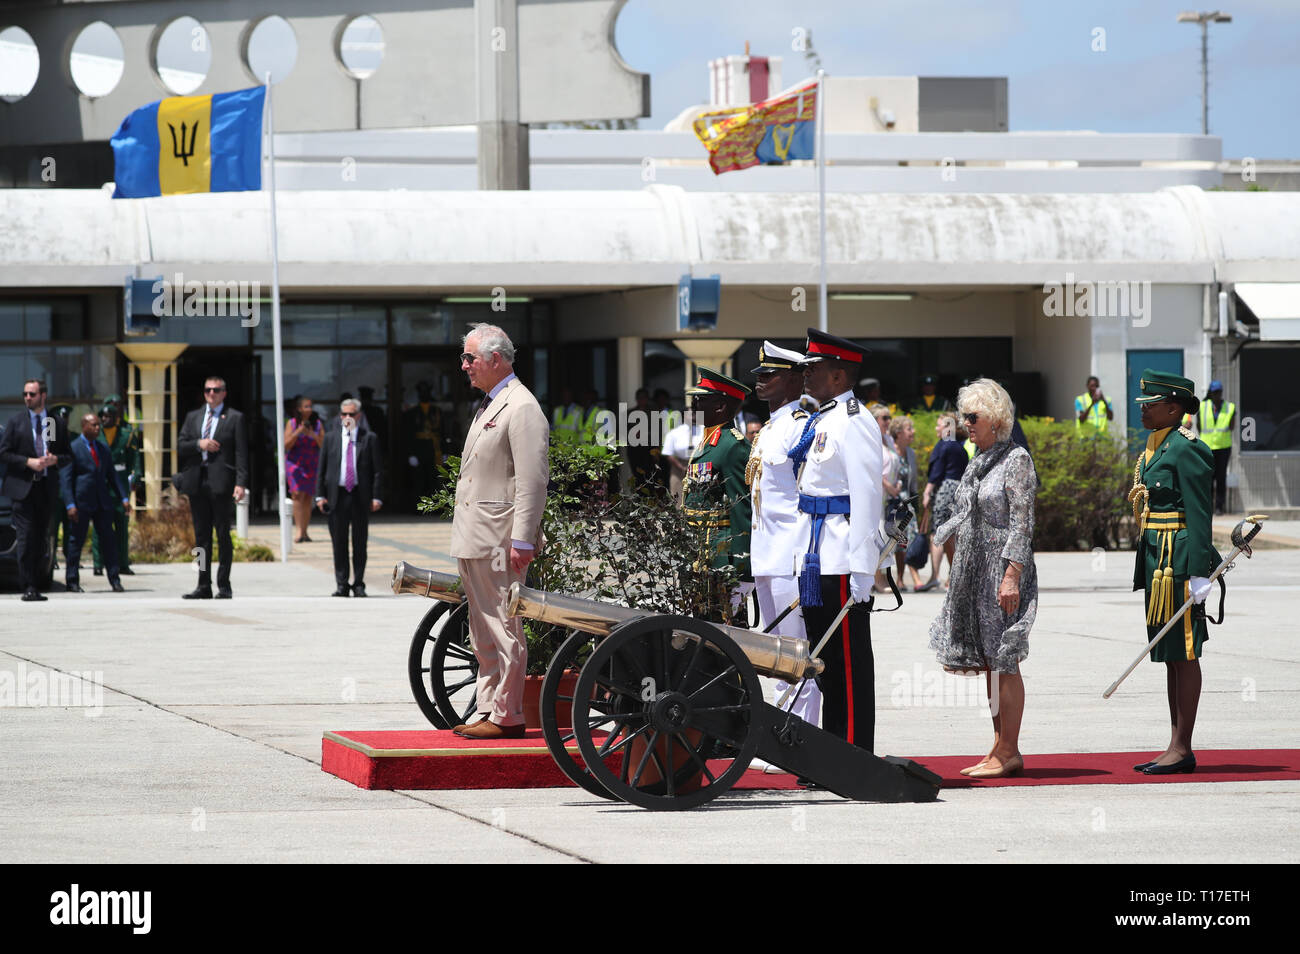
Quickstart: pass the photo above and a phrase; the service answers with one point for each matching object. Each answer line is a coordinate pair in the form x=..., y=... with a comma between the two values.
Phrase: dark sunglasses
x=970, y=418
x=468, y=358
x=213, y=390
x=31, y=393
x=347, y=413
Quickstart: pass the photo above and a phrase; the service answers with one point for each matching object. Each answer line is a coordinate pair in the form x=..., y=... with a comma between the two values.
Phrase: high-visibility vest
x=1096, y=419
x=970, y=448
x=565, y=421
x=1217, y=431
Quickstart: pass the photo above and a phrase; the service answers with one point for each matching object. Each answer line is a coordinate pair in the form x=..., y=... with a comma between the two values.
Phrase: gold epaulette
x=1187, y=433
x=799, y=415
x=737, y=435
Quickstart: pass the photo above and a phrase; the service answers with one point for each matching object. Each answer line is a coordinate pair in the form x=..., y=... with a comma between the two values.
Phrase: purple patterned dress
x=302, y=459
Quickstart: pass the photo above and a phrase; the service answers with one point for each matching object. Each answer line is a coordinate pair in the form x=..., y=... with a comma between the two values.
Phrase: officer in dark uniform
x=122, y=445
x=930, y=399
x=716, y=496
x=1171, y=502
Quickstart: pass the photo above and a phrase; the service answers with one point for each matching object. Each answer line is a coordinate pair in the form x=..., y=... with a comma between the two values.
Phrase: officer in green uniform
x=1175, y=557
x=122, y=442
x=716, y=496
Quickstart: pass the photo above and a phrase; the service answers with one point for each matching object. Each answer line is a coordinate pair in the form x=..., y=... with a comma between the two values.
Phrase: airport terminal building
x=1035, y=258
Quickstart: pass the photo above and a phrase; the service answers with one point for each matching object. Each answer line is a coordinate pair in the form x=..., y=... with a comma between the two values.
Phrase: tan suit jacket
x=503, y=474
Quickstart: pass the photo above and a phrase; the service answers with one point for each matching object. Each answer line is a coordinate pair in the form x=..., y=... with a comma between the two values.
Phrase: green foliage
x=634, y=549
x=1082, y=501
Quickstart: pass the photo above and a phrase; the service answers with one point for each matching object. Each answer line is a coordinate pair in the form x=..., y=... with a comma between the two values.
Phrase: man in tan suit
x=496, y=527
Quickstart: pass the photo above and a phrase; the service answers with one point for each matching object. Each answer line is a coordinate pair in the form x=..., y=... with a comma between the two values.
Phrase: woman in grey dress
x=993, y=587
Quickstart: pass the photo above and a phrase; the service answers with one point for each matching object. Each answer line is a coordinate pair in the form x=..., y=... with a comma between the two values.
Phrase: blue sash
x=810, y=580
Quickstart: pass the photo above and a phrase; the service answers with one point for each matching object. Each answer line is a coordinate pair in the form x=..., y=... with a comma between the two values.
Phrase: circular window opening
x=360, y=46
x=20, y=63
x=182, y=55
x=97, y=60
x=270, y=47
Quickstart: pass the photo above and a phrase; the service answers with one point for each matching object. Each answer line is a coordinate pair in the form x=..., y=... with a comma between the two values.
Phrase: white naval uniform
x=774, y=538
x=846, y=458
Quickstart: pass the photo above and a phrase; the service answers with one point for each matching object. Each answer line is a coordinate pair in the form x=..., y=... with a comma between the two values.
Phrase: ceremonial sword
x=1242, y=545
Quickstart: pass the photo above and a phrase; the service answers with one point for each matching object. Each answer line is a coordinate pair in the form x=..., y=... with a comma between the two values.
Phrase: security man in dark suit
x=213, y=449
x=34, y=445
x=92, y=491
x=123, y=444
x=347, y=488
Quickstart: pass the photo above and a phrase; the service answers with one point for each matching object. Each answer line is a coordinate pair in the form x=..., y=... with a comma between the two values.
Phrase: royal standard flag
x=186, y=144
x=773, y=131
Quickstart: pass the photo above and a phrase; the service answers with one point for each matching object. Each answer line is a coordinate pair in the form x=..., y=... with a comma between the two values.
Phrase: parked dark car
x=9, y=545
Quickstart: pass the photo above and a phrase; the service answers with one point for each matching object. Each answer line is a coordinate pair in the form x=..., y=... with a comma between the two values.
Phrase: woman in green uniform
x=1175, y=556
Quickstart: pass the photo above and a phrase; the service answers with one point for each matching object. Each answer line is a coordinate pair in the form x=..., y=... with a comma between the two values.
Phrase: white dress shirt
x=211, y=414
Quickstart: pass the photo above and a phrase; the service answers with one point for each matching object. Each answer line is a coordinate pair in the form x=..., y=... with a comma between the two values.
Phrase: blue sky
x=1147, y=80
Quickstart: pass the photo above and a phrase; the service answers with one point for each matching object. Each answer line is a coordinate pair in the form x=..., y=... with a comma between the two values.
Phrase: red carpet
x=432, y=759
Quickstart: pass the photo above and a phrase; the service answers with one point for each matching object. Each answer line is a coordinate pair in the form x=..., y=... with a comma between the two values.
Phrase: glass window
x=73, y=374
x=1269, y=398
x=56, y=320
x=427, y=324
x=324, y=374
x=327, y=323
x=216, y=331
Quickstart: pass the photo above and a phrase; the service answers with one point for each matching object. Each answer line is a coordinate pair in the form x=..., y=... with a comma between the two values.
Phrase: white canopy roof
x=427, y=241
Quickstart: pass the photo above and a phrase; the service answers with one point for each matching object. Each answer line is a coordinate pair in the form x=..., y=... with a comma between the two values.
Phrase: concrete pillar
x=502, y=138
x=630, y=354
x=712, y=353
x=148, y=396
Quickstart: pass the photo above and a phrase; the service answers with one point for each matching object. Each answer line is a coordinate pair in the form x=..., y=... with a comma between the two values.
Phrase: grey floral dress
x=993, y=518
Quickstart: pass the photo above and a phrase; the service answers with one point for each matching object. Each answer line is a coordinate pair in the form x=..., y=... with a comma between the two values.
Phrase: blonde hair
x=989, y=400
x=950, y=431
x=897, y=424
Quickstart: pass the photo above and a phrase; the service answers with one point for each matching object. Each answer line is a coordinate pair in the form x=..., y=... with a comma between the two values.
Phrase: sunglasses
x=970, y=418
x=347, y=413
x=31, y=393
x=213, y=390
x=468, y=358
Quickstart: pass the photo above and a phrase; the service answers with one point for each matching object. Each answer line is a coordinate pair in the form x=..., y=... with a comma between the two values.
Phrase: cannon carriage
x=667, y=711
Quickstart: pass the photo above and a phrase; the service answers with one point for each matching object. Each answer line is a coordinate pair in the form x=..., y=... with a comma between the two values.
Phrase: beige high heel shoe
x=1012, y=766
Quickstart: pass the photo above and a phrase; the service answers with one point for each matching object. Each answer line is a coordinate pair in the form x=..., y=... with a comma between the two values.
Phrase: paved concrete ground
x=207, y=745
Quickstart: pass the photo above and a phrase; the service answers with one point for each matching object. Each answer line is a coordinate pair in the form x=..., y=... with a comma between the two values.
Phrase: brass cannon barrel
x=781, y=657
x=436, y=586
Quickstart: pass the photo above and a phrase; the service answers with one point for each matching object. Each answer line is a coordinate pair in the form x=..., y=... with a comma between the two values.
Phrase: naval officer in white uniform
x=838, y=458
x=774, y=534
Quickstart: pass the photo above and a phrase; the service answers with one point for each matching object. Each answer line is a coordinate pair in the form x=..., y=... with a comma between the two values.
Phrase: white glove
x=413, y=461
x=860, y=586
x=1200, y=588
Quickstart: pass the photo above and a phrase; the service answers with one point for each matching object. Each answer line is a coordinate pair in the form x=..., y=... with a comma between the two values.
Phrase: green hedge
x=1082, y=502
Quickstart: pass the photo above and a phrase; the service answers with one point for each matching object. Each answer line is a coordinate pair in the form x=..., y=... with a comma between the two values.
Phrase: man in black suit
x=34, y=445
x=213, y=448
x=347, y=488
x=92, y=490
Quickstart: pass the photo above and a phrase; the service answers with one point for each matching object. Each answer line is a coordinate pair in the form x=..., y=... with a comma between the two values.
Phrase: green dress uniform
x=717, y=498
x=127, y=462
x=1171, y=502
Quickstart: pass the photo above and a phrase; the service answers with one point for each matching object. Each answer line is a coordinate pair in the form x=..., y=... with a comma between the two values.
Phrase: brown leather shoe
x=488, y=729
x=466, y=725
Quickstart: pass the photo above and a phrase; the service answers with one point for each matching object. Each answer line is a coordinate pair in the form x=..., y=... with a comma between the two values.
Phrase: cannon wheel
x=572, y=654
x=451, y=667
x=680, y=702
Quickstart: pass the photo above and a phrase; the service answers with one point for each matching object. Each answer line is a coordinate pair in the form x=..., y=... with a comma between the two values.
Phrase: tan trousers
x=498, y=641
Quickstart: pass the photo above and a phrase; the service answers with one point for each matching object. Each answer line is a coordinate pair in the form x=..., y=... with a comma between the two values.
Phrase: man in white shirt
x=838, y=459
x=774, y=492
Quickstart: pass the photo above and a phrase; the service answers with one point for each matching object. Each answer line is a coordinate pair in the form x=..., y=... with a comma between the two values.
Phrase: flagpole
x=285, y=544
x=821, y=197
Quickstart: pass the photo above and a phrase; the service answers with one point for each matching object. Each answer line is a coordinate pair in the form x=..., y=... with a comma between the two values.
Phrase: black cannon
x=667, y=711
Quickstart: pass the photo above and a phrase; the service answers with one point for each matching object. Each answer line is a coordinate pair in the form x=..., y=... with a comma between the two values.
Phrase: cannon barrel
x=430, y=583
x=782, y=657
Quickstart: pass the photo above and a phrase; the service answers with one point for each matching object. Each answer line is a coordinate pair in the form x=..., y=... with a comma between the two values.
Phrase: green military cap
x=711, y=382
x=1159, y=385
x=108, y=406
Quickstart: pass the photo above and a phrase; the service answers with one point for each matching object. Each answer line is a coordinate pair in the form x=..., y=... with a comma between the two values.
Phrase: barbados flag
x=773, y=131
x=186, y=144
